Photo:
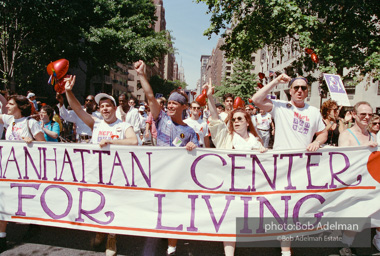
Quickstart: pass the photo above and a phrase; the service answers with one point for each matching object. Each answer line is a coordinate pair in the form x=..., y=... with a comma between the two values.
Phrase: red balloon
x=60, y=85
x=261, y=75
x=201, y=99
x=250, y=100
x=260, y=85
x=238, y=103
x=314, y=58
x=309, y=51
x=204, y=92
x=59, y=67
x=193, y=93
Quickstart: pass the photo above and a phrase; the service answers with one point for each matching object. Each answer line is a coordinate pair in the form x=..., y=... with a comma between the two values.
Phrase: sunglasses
x=363, y=115
x=375, y=123
x=196, y=107
x=87, y=100
x=297, y=87
x=239, y=118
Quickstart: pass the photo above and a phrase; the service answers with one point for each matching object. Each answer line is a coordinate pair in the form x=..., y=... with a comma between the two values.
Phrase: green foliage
x=344, y=34
x=242, y=82
x=97, y=32
x=163, y=86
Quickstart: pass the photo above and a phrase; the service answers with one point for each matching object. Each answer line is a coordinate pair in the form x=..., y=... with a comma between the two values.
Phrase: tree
x=163, y=86
x=97, y=32
x=242, y=83
x=344, y=34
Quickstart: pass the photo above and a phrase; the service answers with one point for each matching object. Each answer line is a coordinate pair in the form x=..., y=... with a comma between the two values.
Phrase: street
x=64, y=242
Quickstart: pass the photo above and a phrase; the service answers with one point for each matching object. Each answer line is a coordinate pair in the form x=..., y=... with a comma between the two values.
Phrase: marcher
x=171, y=130
x=109, y=130
x=84, y=133
x=374, y=125
x=196, y=122
x=358, y=135
x=126, y=112
x=238, y=133
x=330, y=112
x=19, y=127
x=228, y=100
x=296, y=121
x=48, y=126
x=264, y=126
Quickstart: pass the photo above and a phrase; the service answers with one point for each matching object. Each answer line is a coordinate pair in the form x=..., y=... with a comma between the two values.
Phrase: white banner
x=337, y=89
x=173, y=193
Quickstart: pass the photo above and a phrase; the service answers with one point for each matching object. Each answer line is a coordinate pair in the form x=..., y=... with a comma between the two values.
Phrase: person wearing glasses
x=84, y=133
x=330, y=112
x=237, y=132
x=358, y=135
x=48, y=126
x=296, y=121
x=126, y=112
x=198, y=124
x=374, y=126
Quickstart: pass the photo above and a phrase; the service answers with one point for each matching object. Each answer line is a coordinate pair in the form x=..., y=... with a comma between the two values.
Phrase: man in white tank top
x=110, y=130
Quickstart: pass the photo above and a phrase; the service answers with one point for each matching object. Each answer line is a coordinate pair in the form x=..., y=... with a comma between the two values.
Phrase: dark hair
x=23, y=104
x=49, y=111
x=296, y=78
x=228, y=95
x=326, y=107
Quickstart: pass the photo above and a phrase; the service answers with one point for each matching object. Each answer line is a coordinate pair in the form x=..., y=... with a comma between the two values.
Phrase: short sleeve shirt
x=18, y=128
x=172, y=134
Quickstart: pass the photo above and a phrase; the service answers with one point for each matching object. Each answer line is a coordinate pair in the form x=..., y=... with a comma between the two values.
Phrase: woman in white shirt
x=239, y=133
x=19, y=127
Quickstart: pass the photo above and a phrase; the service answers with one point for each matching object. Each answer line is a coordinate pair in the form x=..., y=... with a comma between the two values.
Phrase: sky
x=187, y=20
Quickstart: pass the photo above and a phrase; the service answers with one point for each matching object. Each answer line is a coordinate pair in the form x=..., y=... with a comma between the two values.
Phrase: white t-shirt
x=17, y=128
x=132, y=117
x=239, y=143
x=223, y=116
x=295, y=127
x=264, y=121
x=114, y=131
x=378, y=137
x=200, y=128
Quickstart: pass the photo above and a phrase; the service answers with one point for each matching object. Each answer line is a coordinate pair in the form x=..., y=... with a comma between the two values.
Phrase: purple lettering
x=290, y=186
x=263, y=201
x=47, y=209
x=100, y=207
x=192, y=217
x=68, y=161
x=194, y=165
x=298, y=205
x=159, y=217
x=46, y=159
x=146, y=178
x=21, y=196
x=233, y=168
x=246, y=230
x=81, y=151
x=100, y=152
x=12, y=160
x=122, y=169
x=308, y=165
x=211, y=211
x=272, y=183
x=27, y=155
x=334, y=175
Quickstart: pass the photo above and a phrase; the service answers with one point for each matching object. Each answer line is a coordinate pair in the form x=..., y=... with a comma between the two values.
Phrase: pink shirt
x=153, y=130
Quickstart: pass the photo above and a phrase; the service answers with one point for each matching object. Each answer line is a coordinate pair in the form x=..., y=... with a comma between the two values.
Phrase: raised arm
x=154, y=106
x=211, y=103
x=75, y=105
x=260, y=98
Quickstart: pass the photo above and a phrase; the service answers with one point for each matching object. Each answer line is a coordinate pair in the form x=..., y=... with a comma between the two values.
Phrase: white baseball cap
x=141, y=108
x=102, y=95
x=30, y=95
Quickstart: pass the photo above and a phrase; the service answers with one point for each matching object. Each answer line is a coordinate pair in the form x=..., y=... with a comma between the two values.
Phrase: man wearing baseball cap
x=110, y=130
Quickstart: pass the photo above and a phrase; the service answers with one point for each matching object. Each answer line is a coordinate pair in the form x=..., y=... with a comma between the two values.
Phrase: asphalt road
x=65, y=242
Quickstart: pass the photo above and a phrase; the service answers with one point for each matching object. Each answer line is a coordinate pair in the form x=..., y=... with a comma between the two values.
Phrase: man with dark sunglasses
x=296, y=121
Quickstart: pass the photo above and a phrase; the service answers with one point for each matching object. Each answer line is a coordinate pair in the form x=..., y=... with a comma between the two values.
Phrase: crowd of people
x=265, y=124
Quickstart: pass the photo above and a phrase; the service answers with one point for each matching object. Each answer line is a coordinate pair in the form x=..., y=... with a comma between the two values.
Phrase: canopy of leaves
x=242, y=82
x=97, y=32
x=165, y=87
x=344, y=34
